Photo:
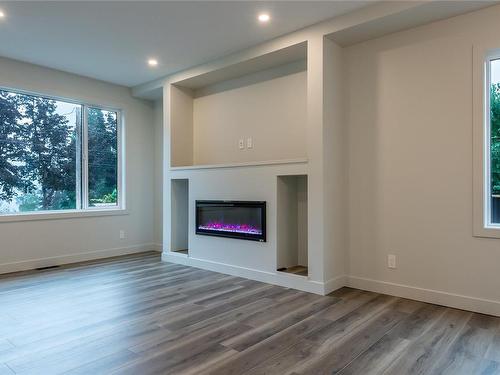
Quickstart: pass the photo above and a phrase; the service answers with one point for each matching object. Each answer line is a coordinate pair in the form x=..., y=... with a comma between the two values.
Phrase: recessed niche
x=253, y=111
x=292, y=233
x=179, y=215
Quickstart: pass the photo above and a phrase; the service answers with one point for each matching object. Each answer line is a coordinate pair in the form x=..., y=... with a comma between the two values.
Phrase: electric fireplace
x=244, y=220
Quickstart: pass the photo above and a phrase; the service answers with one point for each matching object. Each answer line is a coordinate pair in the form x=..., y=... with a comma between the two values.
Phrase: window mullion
x=79, y=161
x=85, y=160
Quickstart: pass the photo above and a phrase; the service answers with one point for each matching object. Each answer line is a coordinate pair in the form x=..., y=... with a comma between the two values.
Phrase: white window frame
x=84, y=209
x=482, y=225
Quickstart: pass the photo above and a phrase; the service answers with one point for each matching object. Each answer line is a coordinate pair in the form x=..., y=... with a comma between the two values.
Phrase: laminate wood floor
x=137, y=315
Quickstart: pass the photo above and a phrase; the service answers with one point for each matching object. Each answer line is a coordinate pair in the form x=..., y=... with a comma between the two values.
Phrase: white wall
x=291, y=218
x=44, y=242
x=272, y=113
x=181, y=151
x=410, y=142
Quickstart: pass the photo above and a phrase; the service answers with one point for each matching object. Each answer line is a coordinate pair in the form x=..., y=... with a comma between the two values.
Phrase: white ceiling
x=112, y=40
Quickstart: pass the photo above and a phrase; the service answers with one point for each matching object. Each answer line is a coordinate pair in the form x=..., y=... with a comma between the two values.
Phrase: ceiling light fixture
x=2, y=14
x=264, y=17
x=153, y=62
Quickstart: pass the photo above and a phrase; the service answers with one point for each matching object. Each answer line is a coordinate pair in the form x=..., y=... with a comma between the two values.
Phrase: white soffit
x=425, y=12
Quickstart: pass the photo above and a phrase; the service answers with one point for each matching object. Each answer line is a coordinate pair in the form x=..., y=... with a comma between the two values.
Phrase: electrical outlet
x=122, y=234
x=391, y=261
x=249, y=142
x=241, y=144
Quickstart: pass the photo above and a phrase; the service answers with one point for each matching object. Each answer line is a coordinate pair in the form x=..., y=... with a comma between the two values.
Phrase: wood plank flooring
x=137, y=315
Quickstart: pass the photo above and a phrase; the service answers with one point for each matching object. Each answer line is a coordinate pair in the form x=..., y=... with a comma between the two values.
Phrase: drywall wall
x=31, y=244
x=302, y=234
x=291, y=217
x=179, y=214
x=410, y=163
x=158, y=173
x=272, y=113
x=181, y=151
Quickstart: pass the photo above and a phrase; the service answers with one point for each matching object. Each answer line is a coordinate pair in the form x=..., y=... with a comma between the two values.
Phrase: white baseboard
x=276, y=278
x=437, y=297
x=334, y=284
x=73, y=258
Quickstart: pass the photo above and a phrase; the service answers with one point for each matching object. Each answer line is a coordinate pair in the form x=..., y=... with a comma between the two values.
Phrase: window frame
x=483, y=54
x=83, y=208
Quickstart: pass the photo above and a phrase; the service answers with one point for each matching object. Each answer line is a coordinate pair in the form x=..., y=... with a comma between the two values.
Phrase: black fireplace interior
x=244, y=220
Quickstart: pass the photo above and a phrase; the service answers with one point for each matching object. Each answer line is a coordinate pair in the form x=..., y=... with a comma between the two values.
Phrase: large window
x=57, y=155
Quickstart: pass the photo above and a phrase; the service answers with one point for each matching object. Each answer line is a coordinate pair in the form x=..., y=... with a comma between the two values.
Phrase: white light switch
x=249, y=142
x=122, y=234
x=241, y=144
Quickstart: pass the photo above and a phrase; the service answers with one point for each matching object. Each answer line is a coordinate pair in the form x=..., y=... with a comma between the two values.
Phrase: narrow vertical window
x=102, y=130
x=493, y=116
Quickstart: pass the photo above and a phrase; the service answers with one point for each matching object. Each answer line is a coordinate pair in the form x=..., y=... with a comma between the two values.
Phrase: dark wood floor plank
x=258, y=334
x=57, y=360
x=466, y=353
x=177, y=356
x=205, y=327
x=377, y=358
x=255, y=355
x=337, y=355
x=421, y=355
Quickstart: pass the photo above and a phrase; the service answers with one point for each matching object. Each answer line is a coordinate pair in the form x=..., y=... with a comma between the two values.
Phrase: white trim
x=120, y=197
x=334, y=284
x=85, y=159
x=31, y=264
x=482, y=55
x=243, y=164
x=480, y=305
x=276, y=278
x=63, y=214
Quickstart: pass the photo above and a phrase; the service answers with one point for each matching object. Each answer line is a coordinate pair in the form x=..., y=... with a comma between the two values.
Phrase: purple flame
x=237, y=228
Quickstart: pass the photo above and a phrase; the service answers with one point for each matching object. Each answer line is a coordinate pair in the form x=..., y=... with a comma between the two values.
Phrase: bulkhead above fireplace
x=245, y=220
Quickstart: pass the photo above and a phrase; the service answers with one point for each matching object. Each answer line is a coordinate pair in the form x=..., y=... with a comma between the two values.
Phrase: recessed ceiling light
x=264, y=17
x=153, y=62
x=2, y=14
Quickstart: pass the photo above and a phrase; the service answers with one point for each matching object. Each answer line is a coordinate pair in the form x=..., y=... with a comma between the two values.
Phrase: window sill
x=492, y=231
x=59, y=215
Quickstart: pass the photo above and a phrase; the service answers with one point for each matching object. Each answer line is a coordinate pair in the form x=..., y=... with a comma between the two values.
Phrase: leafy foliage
x=103, y=151
x=495, y=138
x=11, y=151
x=50, y=154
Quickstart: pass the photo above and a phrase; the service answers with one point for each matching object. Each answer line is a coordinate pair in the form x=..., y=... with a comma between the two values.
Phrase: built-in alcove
x=253, y=111
x=179, y=215
x=292, y=224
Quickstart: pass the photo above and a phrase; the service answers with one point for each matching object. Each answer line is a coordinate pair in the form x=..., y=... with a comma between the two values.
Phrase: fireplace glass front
x=235, y=219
